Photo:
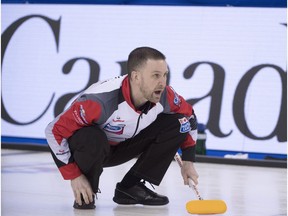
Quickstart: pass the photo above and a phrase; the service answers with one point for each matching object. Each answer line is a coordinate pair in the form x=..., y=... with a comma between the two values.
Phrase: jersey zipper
x=144, y=110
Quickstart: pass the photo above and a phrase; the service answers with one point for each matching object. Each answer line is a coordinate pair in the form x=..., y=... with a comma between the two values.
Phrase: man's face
x=153, y=78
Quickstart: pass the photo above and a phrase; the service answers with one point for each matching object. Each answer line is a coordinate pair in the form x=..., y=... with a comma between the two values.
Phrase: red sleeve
x=70, y=171
x=178, y=104
x=80, y=114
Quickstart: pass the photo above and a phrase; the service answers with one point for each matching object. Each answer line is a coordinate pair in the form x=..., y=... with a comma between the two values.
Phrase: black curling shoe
x=138, y=194
x=91, y=205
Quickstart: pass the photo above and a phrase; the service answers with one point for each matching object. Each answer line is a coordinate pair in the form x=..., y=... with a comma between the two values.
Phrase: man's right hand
x=81, y=185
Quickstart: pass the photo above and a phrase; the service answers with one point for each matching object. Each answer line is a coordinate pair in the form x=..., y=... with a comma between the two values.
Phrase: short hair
x=139, y=56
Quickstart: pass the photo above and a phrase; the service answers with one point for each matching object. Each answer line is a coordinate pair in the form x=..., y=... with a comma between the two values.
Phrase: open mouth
x=157, y=92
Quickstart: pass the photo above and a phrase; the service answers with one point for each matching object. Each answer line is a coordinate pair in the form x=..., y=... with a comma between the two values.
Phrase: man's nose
x=162, y=81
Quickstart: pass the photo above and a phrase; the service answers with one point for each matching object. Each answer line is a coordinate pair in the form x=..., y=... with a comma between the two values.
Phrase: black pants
x=155, y=147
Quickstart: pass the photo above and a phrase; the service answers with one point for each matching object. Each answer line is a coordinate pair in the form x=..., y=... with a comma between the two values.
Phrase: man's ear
x=135, y=75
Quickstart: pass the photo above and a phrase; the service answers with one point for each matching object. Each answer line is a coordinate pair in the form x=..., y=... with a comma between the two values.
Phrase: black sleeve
x=188, y=154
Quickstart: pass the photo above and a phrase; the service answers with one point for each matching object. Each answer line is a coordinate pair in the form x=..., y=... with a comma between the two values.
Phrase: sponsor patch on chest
x=116, y=129
x=184, y=125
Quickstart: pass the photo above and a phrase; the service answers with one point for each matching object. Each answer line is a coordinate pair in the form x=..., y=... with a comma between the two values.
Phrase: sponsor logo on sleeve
x=80, y=117
x=184, y=125
x=62, y=152
x=82, y=114
x=177, y=100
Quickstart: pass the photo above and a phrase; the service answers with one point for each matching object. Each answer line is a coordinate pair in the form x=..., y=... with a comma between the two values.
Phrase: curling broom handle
x=202, y=206
x=191, y=184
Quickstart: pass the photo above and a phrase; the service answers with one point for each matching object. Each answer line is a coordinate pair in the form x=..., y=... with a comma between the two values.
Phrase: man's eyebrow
x=159, y=72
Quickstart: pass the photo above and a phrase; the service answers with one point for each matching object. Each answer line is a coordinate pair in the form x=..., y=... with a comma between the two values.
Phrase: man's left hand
x=188, y=171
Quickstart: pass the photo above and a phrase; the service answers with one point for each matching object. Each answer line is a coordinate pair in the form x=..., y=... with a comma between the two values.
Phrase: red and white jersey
x=108, y=104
